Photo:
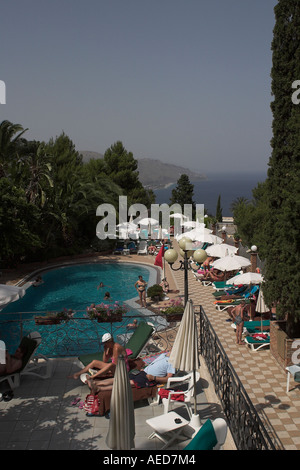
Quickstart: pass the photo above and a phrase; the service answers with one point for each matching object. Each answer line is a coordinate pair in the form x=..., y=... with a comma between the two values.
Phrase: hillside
x=154, y=174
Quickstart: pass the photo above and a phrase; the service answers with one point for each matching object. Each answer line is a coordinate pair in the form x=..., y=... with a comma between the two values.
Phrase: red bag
x=91, y=405
x=164, y=393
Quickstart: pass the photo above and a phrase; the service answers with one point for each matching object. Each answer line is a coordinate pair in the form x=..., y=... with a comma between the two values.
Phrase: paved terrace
x=41, y=415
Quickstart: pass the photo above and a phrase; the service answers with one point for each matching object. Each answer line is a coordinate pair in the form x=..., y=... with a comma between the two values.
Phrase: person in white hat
x=107, y=366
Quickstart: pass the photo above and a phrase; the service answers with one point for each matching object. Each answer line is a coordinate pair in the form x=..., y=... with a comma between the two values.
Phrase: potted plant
x=173, y=311
x=54, y=318
x=155, y=292
x=107, y=313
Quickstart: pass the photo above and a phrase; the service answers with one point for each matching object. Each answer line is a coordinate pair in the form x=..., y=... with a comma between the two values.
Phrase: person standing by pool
x=140, y=286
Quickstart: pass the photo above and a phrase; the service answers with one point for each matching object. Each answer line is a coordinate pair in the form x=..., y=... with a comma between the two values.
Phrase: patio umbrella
x=246, y=278
x=184, y=355
x=148, y=221
x=261, y=306
x=219, y=251
x=231, y=262
x=200, y=235
x=121, y=430
x=10, y=294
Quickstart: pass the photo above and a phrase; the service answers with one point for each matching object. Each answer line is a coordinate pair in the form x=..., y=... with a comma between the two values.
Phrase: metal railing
x=81, y=335
x=246, y=426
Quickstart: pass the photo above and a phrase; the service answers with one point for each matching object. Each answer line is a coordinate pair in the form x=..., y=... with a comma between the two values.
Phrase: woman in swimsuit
x=140, y=286
x=107, y=366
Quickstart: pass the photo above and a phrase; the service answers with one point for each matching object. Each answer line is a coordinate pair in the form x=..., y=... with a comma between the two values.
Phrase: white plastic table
x=166, y=428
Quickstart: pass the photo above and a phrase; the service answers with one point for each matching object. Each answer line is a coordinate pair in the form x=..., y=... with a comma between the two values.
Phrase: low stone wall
x=281, y=344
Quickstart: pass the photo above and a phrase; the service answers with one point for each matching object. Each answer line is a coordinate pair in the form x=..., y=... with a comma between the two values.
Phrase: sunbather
x=239, y=314
x=13, y=362
x=165, y=285
x=214, y=275
x=158, y=371
x=112, y=351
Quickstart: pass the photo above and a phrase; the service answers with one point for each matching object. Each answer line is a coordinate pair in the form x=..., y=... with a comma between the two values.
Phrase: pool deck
x=41, y=415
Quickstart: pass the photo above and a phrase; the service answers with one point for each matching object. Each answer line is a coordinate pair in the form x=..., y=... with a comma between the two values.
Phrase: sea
x=228, y=186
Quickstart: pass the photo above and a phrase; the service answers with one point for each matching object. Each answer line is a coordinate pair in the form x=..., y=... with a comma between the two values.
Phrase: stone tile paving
x=263, y=378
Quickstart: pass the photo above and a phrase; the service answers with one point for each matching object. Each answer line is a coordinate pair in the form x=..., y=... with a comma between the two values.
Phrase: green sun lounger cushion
x=205, y=438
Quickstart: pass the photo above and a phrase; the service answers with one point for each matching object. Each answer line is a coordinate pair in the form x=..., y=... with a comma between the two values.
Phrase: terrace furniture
x=257, y=344
x=225, y=304
x=143, y=248
x=167, y=427
x=187, y=394
x=144, y=393
x=211, y=436
x=292, y=371
x=251, y=327
x=31, y=364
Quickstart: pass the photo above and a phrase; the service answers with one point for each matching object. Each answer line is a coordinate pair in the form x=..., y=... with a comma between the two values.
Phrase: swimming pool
x=75, y=287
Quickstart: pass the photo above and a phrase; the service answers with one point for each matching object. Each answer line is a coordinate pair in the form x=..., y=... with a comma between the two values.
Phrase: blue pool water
x=73, y=287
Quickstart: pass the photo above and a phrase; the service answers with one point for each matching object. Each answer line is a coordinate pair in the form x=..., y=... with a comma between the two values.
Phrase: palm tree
x=238, y=202
x=8, y=140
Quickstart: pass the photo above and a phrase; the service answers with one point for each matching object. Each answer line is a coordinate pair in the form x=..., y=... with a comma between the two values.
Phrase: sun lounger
x=36, y=365
x=144, y=393
x=231, y=291
x=136, y=343
x=211, y=436
x=256, y=344
x=225, y=304
x=251, y=327
x=221, y=285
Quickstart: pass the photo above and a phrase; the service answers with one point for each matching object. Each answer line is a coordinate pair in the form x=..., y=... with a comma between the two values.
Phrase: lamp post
x=186, y=251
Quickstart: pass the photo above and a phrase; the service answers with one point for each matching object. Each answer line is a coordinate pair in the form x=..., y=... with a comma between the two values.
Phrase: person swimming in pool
x=140, y=286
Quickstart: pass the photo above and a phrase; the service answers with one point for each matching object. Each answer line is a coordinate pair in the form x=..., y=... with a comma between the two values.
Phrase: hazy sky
x=183, y=81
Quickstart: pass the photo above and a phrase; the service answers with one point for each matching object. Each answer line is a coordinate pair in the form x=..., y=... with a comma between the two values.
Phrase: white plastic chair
x=291, y=371
x=143, y=248
x=188, y=394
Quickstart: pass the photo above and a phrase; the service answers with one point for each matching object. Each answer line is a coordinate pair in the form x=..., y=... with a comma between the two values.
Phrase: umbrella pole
x=195, y=422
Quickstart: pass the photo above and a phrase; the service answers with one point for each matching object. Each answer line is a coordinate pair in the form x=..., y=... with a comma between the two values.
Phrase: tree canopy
x=49, y=196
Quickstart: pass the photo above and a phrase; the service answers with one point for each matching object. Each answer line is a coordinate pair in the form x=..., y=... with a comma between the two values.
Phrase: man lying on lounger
x=13, y=362
x=158, y=371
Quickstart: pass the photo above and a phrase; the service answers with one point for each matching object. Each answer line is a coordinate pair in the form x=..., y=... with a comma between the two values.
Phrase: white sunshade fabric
x=10, y=294
x=121, y=424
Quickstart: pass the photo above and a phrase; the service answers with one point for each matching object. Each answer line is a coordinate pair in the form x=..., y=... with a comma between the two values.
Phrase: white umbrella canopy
x=261, y=306
x=177, y=215
x=184, y=355
x=10, y=294
x=231, y=262
x=121, y=430
x=219, y=251
x=200, y=235
x=148, y=221
x=246, y=278
x=127, y=225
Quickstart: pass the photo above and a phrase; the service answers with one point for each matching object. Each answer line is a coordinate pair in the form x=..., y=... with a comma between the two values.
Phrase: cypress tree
x=219, y=214
x=280, y=236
